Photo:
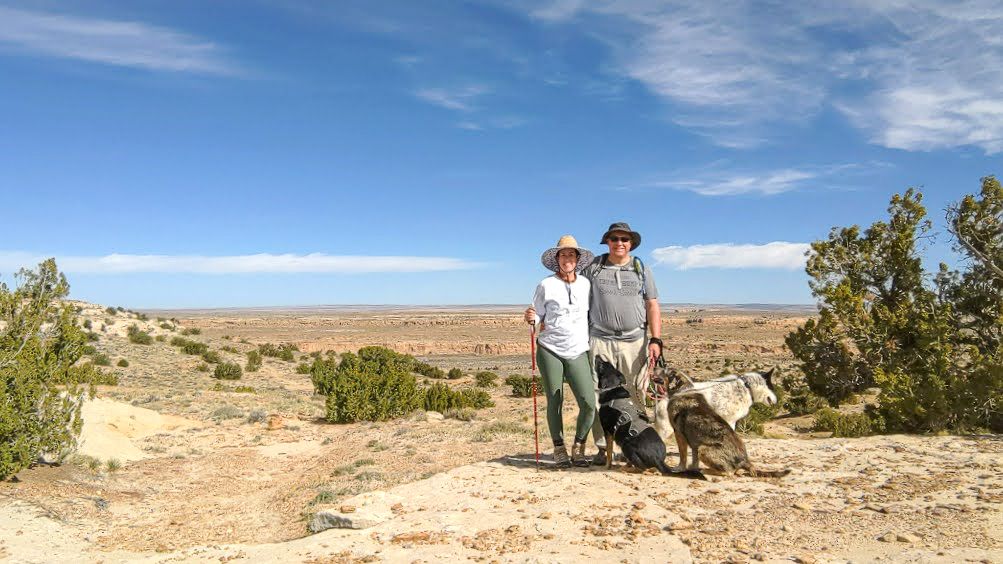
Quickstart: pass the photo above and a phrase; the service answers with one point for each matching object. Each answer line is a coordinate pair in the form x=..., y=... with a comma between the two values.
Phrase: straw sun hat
x=549, y=257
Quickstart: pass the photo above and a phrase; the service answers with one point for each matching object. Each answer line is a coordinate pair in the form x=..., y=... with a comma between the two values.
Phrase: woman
x=561, y=303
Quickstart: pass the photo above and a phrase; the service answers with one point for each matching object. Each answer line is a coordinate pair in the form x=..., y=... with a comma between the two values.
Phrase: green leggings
x=578, y=373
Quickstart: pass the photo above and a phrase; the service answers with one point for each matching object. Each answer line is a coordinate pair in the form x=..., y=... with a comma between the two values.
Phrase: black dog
x=621, y=421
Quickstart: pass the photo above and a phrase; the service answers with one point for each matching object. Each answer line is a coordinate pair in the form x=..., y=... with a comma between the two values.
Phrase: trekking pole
x=536, y=424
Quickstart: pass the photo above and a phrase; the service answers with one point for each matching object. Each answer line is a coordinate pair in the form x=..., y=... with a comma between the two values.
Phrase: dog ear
x=768, y=376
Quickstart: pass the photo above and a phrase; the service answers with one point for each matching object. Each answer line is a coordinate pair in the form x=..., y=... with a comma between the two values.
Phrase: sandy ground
x=198, y=474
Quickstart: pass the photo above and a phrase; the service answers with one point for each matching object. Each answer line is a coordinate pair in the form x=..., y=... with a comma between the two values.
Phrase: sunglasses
x=618, y=240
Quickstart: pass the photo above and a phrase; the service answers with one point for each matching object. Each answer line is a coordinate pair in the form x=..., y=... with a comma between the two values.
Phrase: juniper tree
x=39, y=344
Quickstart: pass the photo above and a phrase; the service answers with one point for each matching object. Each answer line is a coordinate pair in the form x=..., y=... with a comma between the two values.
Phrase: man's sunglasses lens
x=619, y=239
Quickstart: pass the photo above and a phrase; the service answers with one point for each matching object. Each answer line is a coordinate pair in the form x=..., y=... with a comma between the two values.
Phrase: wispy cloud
x=775, y=255
x=917, y=75
x=111, y=42
x=237, y=264
x=457, y=99
x=767, y=183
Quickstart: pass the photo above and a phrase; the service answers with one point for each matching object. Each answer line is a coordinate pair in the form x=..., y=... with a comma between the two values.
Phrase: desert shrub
x=283, y=351
x=195, y=348
x=225, y=412
x=101, y=359
x=88, y=350
x=229, y=349
x=253, y=361
x=847, y=425
x=758, y=414
x=110, y=310
x=227, y=371
x=138, y=336
x=202, y=367
x=245, y=390
x=933, y=350
x=257, y=416
x=486, y=379
x=212, y=357
x=374, y=385
x=428, y=370
x=89, y=374
x=92, y=336
x=461, y=414
x=122, y=363
x=160, y=339
x=87, y=324
x=454, y=374
x=522, y=386
x=191, y=331
x=303, y=368
x=800, y=400
x=39, y=344
x=142, y=317
x=178, y=341
x=167, y=326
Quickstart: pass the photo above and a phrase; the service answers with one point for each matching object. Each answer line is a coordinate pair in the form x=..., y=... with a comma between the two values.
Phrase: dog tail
x=691, y=474
x=757, y=473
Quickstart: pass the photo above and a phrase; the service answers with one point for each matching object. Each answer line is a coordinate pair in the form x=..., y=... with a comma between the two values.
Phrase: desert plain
x=176, y=466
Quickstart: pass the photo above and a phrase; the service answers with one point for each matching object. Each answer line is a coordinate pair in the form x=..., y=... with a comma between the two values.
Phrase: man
x=623, y=309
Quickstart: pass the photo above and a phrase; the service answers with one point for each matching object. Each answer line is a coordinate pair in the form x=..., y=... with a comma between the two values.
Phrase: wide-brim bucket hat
x=549, y=257
x=635, y=237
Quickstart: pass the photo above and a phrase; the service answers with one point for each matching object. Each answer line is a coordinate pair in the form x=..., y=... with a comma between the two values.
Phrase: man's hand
x=654, y=349
x=530, y=315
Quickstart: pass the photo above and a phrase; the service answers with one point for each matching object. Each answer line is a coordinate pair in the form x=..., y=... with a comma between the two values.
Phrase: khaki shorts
x=630, y=358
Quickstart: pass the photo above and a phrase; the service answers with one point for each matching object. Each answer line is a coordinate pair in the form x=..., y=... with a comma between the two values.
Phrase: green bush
x=227, y=371
x=253, y=361
x=101, y=359
x=92, y=336
x=440, y=397
x=202, y=367
x=847, y=425
x=139, y=337
x=195, y=348
x=428, y=370
x=167, y=326
x=933, y=349
x=229, y=349
x=281, y=352
x=800, y=400
x=374, y=385
x=110, y=310
x=87, y=324
x=486, y=379
x=88, y=374
x=522, y=386
x=179, y=341
x=212, y=357
x=191, y=331
x=303, y=368
x=123, y=363
x=39, y=344
x=454, y=374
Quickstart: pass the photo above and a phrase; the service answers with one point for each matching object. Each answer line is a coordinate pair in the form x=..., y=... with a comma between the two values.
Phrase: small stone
x=639, y=505
x=907, y=537
x=433, y=416
x=887, y=537
x=347, y=509
x=545, y=515
x=680, y=526
x=759, y=556
x=804, y=559
x=802, y=506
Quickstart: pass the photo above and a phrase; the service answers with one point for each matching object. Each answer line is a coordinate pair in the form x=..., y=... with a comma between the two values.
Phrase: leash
x=536, y=424
x=654, y=386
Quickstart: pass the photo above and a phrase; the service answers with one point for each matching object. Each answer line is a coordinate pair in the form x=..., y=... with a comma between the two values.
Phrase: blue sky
x=238, y=153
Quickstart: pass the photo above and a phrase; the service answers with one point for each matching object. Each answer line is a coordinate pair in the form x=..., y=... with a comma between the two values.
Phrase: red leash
x=536, y=425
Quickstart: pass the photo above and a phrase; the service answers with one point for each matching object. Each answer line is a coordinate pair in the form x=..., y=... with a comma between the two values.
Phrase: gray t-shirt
x=616, y=304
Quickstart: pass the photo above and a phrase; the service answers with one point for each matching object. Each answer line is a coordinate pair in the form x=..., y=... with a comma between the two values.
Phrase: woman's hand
x=530, y=315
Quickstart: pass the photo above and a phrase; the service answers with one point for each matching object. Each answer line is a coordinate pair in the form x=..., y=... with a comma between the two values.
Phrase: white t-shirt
x=564, y=310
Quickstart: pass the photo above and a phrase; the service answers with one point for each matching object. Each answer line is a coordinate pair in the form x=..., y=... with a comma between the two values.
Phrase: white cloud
x=767, y=183
x=458, y=99
x=236, y=264
x=775, y=255
x=913, y=75
x=112, y=42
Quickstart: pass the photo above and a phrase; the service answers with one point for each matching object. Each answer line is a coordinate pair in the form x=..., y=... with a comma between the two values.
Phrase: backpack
x=638, y=268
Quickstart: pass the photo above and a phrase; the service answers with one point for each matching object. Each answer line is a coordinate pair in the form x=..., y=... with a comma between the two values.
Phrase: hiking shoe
x=578, y=457
x=561, y=459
